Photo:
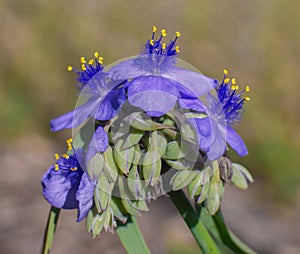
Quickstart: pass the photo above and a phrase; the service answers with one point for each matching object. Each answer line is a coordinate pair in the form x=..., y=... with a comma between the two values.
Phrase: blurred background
x=258, y=41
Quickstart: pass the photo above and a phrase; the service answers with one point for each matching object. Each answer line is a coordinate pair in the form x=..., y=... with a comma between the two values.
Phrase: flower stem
x=221, y=233
x=200, y=233
x=50, y=229
x=131, y=237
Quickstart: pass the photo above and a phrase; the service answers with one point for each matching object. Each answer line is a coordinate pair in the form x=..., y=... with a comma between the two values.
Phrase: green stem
x=50, y=229
x=196, y=226
x=221, y=233
x=131, y=237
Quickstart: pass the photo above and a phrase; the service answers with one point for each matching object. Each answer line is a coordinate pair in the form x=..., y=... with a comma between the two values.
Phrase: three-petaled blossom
x=67, y=186
x=223, y=110
x=155, y=82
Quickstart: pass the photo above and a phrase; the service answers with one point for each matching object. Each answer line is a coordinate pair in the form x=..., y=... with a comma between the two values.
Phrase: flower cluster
x=157, y=125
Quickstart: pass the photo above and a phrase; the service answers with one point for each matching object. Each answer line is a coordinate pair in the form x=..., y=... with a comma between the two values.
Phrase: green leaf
x=131, y=237
x=50, y=229
x=197, y=228
x=218, y=229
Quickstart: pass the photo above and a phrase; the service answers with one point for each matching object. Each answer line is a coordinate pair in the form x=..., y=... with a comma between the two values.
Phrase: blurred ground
x=258, y=41
x=267, y=228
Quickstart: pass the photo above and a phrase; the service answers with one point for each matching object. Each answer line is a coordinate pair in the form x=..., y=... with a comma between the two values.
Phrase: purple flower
x=67, y=186
x=223, y=111
x=154, y=81
x=103, y=97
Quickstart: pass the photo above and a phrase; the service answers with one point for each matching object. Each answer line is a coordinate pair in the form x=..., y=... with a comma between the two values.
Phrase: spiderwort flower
x=154, y=81
x=223, y=112
x=67, y=186
x=104, y=96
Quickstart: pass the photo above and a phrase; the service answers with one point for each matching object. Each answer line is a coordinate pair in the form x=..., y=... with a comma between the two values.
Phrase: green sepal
x=238, y=178
x=95, y=166
x=151, y=167
x=102, y=192
x=141, y=121
x=132, y=138
x=135, y=184
x=123, y=157
x=110, y=168
x=180, y=164
x=182, y=179
x=173, y=151
x=244, y=171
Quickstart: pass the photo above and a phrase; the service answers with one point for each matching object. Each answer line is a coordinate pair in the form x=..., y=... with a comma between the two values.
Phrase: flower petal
x=98, y=143
x=192, y=104
x=76, y=117
x=236, y=142
x=59, y=187
x=154, y=94
x=127, y=69
x=84, y=196
x=111, y=104
x=191, y=83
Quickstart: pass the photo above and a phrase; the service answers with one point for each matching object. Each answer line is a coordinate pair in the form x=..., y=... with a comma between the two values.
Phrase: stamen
x=56, y=167
x=96, y=54
x=82, y=60
x=69, y=68
x=177, y=34
x=247, y=98
x=233, y=81
x=225, y=71
x=100, y=60
x=164, y=46
x=91, y=61
x=83, y=67
x=154, y=29
x=247, y=89
x=74, y=169
x=163, y=33
x=177, y=49
x=226, y=80
x=66, y=156
x=151, y=42
x=56, y=156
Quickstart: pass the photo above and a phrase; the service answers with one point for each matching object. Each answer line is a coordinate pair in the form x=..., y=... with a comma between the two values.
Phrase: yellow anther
x=177, y=49
x=83, y=67
x=69, y=68
x=226, y=80
x=66, y=156
x=82, y=60
x=234, y=87
x=56, y=156
x=164, y=46
x=178, y=34
x=233, y=81
x=96, y=54
x=225, y=71
x=91, y=61
x=100, y=59
x=247, y=89
x=154, y=29
x=70, y=140
x=74, y=169
x=163, y=33
x=247, y=98
x=56, y=167
x=151, y=42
